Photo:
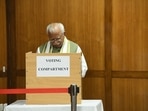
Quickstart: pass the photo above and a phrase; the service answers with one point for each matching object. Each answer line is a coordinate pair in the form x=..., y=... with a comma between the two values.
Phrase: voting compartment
x=56, y=70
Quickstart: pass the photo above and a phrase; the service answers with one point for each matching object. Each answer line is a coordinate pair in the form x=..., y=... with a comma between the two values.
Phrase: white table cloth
x=86, y=105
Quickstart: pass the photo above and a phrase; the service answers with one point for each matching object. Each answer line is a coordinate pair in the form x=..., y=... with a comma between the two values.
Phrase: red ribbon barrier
x=34, y=90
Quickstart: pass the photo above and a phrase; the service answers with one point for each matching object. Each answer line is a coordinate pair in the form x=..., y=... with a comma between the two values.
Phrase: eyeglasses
x=57, y=38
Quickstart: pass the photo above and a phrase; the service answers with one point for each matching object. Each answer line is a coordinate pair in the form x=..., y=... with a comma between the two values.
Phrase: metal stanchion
x=73, y=90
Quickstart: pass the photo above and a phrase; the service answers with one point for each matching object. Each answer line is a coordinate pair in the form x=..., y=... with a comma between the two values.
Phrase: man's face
x=56, y=39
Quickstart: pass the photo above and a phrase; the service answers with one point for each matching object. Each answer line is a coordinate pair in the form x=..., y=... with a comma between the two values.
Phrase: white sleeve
x=38, y=50
x=83, y=62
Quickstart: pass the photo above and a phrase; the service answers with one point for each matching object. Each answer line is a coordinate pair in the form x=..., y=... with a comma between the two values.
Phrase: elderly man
x=58, y=43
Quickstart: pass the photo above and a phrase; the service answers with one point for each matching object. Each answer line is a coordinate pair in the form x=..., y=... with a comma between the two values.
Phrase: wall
x=111, y=33
x=3, y=49
x=129, y=55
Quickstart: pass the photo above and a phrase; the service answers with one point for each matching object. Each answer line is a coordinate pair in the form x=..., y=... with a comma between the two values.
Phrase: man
x=58, y=43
